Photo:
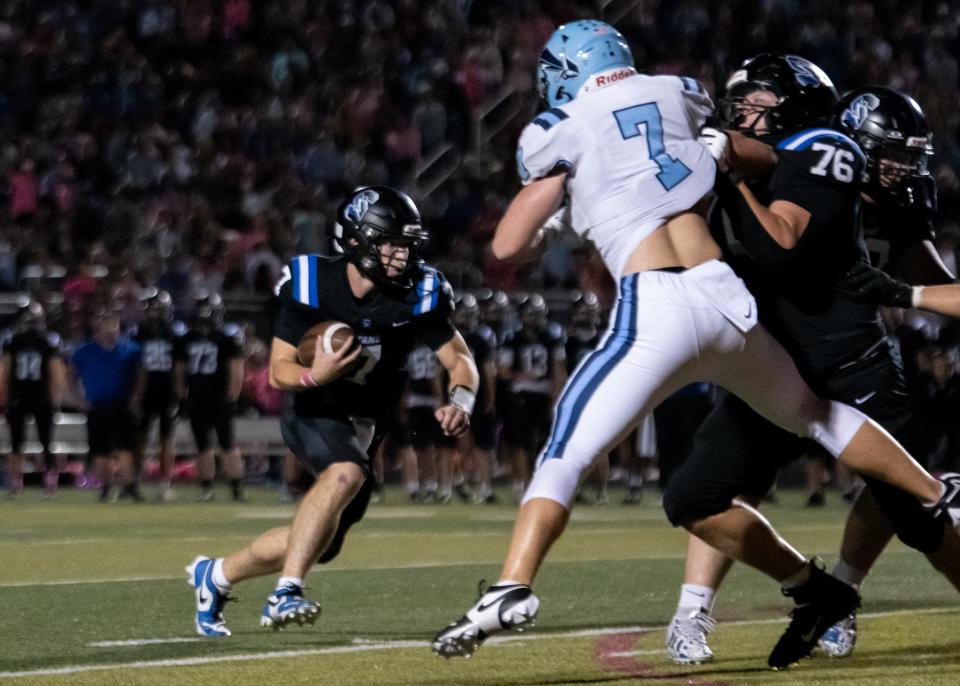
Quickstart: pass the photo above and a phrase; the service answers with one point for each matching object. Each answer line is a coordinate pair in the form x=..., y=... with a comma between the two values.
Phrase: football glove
x=875, y=286
x=717, y=142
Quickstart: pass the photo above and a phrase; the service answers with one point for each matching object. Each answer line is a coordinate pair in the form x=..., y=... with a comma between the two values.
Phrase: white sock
x=798, y=579
x=849, y=574
x=693, y=598
x=413, y=486
x=289, y=581
x=219, y=580
x=430, y=486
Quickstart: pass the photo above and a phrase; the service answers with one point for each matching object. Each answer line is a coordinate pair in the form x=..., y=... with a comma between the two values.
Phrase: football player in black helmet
x=209, y=377
x=533, y=361
x=897, y=220
x=380, y=232
x=34, y=379
x=337, y=405
x=789, y=91
x=158, y=335
x=897, y=223
x=792, y=234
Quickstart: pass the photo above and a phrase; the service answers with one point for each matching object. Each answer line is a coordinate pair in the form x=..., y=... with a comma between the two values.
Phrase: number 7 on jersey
x=631, y=119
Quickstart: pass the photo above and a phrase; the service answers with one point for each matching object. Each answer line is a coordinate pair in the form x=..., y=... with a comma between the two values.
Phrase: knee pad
x=922, y=534
x=683, y=502
x=835, y=431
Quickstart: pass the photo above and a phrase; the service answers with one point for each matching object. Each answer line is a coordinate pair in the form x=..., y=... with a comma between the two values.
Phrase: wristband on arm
x=464, y=398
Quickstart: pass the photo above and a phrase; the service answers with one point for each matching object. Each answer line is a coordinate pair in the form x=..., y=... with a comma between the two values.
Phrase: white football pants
x=669, y=330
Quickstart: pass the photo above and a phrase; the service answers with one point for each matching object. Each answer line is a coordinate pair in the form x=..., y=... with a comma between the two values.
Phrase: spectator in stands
x=107, y=368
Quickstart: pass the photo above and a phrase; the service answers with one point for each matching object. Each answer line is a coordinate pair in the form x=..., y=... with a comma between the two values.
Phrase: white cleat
x=510, y=607
x=687, y=638
x=840, y=639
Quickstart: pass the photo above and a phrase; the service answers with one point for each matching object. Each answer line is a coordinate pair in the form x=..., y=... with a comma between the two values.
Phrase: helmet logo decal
x=859, y=110
x=802, y=72
x=358, y=206
x=564, y=68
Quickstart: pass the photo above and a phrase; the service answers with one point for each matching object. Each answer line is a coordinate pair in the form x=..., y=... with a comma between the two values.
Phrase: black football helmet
x=466, y=313
x=209, y=312
x=893, y=133
x=157, y=305
x=805, y=94
x=372, y=216
x=533, y=311
x=31, y=317
x=585, y=310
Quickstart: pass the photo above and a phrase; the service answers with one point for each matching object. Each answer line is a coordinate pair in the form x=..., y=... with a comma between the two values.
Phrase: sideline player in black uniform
x=897, y=221
x=34, y=378
x=475, y=451
x=792, y=235
x=158, y=336
x=390, y=298
x=418, y=432
x=533, y=361
x=209, y=371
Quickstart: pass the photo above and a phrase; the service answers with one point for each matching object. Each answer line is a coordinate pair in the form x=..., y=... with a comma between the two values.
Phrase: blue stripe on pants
x=594, y=370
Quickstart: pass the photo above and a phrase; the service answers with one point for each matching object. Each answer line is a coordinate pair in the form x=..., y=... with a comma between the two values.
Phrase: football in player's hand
x=333, y=335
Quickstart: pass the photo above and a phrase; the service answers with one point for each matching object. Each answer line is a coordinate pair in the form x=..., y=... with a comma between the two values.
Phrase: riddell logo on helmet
x=612, y=77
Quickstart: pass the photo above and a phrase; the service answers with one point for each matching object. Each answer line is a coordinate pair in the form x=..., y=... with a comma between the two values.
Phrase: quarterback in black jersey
x=34, y=378
x=793, y=235
x=159, y=336
x=390, y=298
x=209, y=375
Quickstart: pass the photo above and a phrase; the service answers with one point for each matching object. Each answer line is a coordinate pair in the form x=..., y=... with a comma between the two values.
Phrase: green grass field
x=81, y=582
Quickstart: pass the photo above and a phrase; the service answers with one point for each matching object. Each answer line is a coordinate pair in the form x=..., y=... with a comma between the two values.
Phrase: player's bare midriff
x=684, y=241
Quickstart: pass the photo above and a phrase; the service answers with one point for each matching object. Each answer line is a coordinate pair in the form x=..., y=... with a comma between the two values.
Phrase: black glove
x=875, y=286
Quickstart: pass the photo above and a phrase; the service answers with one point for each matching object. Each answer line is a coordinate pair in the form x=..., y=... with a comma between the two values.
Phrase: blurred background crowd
x=195, y=145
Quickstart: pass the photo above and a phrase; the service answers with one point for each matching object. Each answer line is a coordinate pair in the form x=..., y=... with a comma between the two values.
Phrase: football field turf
x=96, y=594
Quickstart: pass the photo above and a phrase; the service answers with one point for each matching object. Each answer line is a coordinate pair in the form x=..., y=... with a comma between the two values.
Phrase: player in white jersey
x=622, y=148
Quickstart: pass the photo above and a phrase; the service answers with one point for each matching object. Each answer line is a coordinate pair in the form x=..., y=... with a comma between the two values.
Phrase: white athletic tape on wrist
x=915, y=296
x=464, y=398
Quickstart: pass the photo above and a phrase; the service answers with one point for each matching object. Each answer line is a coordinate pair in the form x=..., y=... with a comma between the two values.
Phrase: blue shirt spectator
x=107, y=366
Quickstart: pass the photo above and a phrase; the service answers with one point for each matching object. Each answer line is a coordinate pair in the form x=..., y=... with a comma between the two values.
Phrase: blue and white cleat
x=288, y=606
x=687, y=638
x=210, y=599
x=840, y=639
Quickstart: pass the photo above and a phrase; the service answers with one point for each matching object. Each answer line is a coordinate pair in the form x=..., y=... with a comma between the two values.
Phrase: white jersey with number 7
x=631, y=155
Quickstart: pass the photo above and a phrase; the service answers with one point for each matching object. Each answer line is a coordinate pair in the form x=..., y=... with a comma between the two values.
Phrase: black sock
x=206, y=484
x=235, y=487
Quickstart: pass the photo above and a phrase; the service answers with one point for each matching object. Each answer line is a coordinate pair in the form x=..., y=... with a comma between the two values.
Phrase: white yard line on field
x=142, y=642
x=364, y=645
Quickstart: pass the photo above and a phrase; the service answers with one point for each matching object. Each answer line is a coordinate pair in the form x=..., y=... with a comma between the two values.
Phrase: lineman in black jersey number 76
x=390, y=298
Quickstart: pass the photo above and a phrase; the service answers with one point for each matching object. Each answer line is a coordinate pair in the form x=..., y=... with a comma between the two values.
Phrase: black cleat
x=821, y=601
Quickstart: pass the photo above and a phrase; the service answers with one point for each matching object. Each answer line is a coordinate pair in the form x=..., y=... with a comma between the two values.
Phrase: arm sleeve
x=541, y=152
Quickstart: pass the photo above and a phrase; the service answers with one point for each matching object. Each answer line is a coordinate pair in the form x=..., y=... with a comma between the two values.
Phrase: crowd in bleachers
x=195, y=145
